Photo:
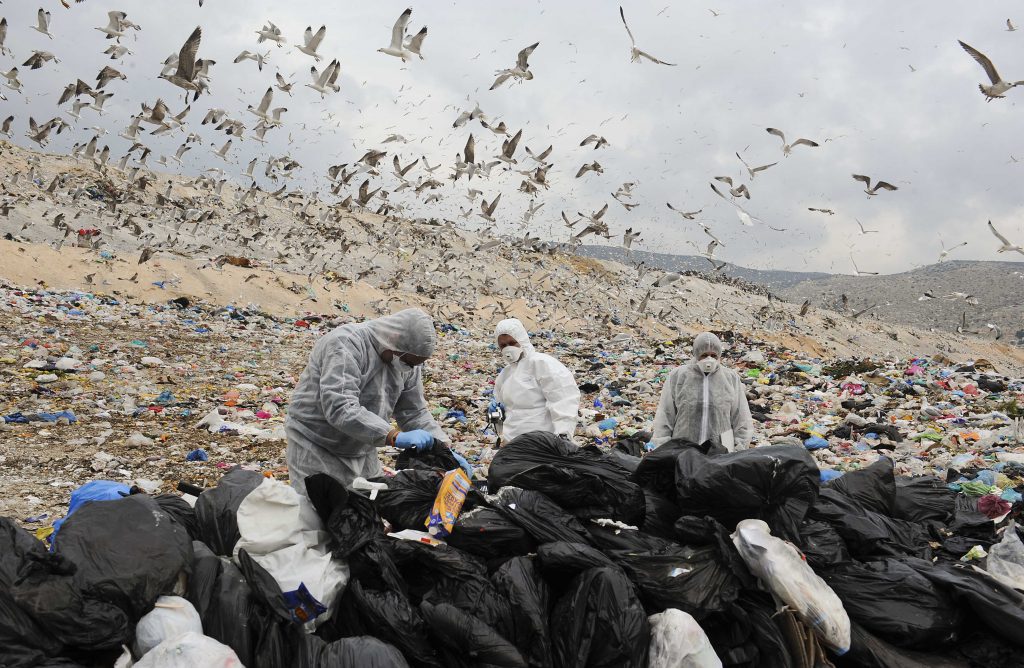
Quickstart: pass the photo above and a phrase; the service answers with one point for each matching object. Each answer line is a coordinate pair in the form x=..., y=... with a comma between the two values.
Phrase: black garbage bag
x=206, y=567
x=777, y=484
x=873, y=487
x=969, y=522
x=694, y=580
x=600, y=622
x=657, y=470
x=467, y=642
x=632, y=446
x=374, y=566
x=351, y=519
x=822, y=545
x=217, y=508
x=585, y=481
x=870, y=651
x=997, y=607
x=624, y=459
x=127, y=552
x=559, y=562
x=660, y=515
x=407, y=501
x=541, y=517
x=520, y=582
x=437, y=458
x=613, y=538
x=868, y=534
x=183, y=514
x=361, y=651
x=756, y=637
x=487, y=533
x=893, y=601
x=389, y=616
x=25, y=644
x=923, y=498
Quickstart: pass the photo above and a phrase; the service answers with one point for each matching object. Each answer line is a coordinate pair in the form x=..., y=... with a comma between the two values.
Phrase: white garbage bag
x=281, y=531
x=190, y=650
x=678, y=641
x=782, y=568
x=171, y=617
x=1006, y=559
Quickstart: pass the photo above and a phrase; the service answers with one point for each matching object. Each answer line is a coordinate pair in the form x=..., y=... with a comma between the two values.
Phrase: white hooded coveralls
x=341, y=408
x=538, y=391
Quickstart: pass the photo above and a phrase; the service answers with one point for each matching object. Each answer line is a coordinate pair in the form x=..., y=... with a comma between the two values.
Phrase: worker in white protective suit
x=358, y=377
x=704, y=401
x=537, y=392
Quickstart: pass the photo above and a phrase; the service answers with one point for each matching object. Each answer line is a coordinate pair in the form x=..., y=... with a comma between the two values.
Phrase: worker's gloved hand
x=495, y=405
x=464, y=464
x=417, y=438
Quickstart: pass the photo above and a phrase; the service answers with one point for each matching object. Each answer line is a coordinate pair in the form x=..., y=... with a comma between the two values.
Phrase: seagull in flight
x=311, y=41
x=864, y=232
x=1009, y=26
x=858, y=272
x=636, y=54
x=1006, y=245
x=946, y=251
x=521, y=70
x=753, y=171
x=397, y=47
x=998, y=87
x=43, y=23
x=871, y=191
x=788, y=148
x=688, y=215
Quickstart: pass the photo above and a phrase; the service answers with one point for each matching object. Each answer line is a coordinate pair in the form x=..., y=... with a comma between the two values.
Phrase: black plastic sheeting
x=216, y=509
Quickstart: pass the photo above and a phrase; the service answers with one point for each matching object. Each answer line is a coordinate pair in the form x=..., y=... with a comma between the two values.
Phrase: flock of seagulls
x=359, y=184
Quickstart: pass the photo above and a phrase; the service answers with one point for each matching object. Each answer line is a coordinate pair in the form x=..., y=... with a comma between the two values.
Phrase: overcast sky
x=837, y=73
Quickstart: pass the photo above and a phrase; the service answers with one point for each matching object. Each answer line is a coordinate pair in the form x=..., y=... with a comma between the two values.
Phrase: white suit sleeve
x=665, y=416
x=339, y=398
x=413, y=412
x=561, y=393
x=742, y=423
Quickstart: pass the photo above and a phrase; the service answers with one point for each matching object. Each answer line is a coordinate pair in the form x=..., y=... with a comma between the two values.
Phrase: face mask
x=512, y=353
x=398, y=363
x=708, y=365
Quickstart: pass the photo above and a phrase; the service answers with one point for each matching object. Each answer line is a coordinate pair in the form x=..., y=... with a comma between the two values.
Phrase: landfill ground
x=138, y=378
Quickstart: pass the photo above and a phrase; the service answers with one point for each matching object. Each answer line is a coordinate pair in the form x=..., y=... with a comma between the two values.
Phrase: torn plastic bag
x=487, y=533
x=657, y=470
x=190, y=649
x=694, y=580
x=600, y=622
x=923, y=498
x=777, y=484
x=998, y=607
x=171, y=617
x=468, y=642
x=351, y=519
x=127, y=552
x=520, y=582
x=388, y=616
x=782, y=569
x=538, y=515
x=585, y=481
x=358, y=651
x=822, y=545
x=870, y=651
x=1006, y=559
x=216, y=508
x=407, y=501
x=437, y=458
x=868, y=534
x=892, y=600
x=873, y=487
x=678, y=641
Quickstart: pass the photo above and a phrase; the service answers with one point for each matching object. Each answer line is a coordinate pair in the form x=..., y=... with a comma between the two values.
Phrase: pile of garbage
x=561, y=556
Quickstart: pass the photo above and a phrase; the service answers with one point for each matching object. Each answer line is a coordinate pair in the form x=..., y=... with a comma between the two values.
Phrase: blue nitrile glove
x=464, y=464
x=417, y=438
x=495, y=405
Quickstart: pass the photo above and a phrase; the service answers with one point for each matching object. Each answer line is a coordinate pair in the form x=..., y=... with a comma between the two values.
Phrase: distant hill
x=997, y=287
x=773, y=279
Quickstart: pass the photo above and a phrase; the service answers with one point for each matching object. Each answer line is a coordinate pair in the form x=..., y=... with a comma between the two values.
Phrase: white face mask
x=512, y=353
x=708, y=365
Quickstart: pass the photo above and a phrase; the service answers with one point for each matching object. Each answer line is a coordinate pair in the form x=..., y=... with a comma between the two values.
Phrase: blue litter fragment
x=829, y=474
x=197, y=455
x=815, y=443
x=302, y=606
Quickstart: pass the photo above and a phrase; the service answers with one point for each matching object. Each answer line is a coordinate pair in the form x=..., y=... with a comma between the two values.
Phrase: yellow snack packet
x=448, y=503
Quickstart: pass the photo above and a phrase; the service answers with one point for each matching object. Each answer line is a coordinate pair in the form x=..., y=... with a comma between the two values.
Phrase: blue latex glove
x=417, y=438
x=464, y=464
x=495, y=405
